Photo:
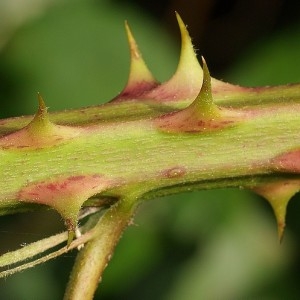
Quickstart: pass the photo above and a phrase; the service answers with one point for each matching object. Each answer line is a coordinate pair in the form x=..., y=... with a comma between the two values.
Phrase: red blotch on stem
x=65, y=194
x=288, y=162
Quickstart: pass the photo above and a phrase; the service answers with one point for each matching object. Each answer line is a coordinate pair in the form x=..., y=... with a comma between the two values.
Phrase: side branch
x=94, y=257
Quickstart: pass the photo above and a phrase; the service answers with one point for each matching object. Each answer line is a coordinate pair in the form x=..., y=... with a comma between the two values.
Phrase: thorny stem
x=152, y=139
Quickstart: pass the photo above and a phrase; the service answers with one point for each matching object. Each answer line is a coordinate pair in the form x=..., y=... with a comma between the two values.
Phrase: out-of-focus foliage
x=270, y=62
x=76, y=55
x=205, y=245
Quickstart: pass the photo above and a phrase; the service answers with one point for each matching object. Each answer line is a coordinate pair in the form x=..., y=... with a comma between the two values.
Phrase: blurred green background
x=206, y=245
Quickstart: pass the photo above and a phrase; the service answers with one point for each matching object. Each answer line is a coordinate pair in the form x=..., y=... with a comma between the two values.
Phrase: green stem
x=94, y=257
x=152, y=140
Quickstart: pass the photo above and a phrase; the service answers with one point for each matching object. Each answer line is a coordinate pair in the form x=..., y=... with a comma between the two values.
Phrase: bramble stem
x=191, y=132
x=94, y=257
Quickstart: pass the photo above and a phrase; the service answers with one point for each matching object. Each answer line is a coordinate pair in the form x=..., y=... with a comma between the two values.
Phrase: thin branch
x=93, y=259
x=81, y=240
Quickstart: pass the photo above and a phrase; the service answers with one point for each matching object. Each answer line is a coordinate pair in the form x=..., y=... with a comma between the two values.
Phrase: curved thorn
x=40, y=122
x=42, y=109
x=42, y=105
x=204, y=104
x=188, y=76
x=202, y=114
x=140, y=78
x=188, y=65
x=138, y=68
x=279, y=194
